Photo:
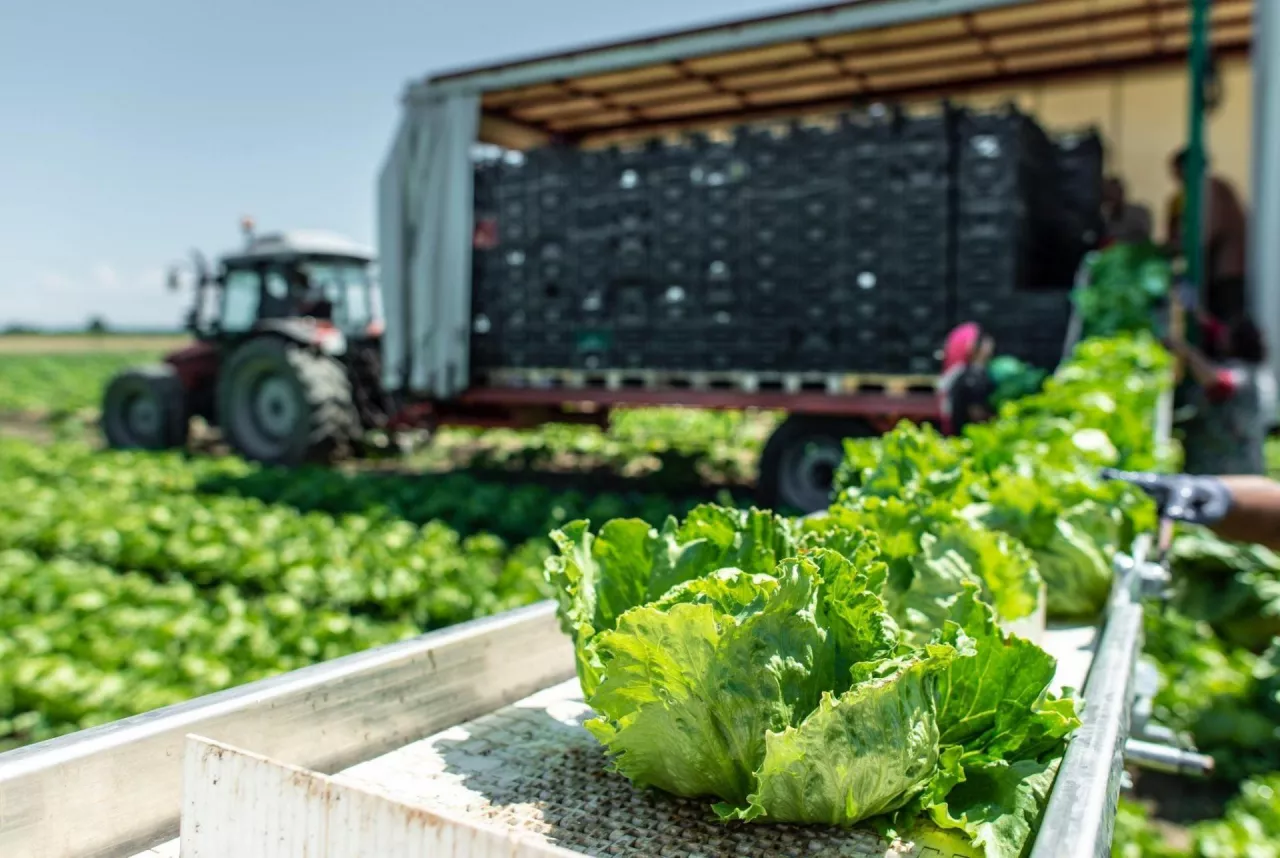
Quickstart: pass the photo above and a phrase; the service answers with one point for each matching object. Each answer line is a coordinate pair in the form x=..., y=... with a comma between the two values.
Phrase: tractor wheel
x=800, y=460
x=145, y=409
x=283, y=404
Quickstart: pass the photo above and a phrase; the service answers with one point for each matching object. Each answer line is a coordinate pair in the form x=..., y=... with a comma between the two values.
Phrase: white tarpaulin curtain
x=424, y=246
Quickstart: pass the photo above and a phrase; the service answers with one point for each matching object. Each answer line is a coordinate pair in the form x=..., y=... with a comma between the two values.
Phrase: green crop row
x=516, y=512
x=116, y=511
x=235, y=572
x=673, y=448
x=60, y=383
x=81, y=644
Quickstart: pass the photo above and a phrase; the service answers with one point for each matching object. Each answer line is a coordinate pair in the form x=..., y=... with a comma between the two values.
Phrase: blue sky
x=134, y=130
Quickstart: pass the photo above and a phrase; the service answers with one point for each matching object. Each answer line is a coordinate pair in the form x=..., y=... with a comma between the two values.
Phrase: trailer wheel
x=800, y=460
x=144, y=408
x=281, y=403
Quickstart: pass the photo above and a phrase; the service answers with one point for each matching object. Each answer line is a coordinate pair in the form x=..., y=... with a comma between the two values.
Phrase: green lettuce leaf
x=1006, y=570
x=939, y=575
x=994, y=691
x=995, y=701
x=859, y=627
x=914, y=458
x=998, y=804
x=861, y=754
x=689, y=693
x=598, y=577
x=1076, y=574
x=1075, y=567
x=1233, y=587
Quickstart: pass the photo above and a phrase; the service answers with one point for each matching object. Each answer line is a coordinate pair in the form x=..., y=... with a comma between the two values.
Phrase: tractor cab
x=280, y=279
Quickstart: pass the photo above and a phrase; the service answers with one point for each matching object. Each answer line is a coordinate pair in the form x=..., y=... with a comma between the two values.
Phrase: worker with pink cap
x=965, y=386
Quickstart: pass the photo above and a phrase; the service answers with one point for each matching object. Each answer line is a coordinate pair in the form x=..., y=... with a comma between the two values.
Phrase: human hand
x=1180, y=497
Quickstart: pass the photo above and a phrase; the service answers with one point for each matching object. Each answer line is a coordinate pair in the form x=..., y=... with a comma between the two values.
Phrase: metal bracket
x=1153, y=581
x=1146, y=684
x=1164, y=758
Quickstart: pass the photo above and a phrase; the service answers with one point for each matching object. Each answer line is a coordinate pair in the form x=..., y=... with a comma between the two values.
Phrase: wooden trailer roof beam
x=828, y=58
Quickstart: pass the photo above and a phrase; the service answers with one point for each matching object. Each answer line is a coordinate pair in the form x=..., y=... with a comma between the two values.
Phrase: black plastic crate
x=678, y=266
x=988, y=263
x=723, y=349
x=775, y=262
x=817, y=349
x=770, y=347
x=764, y=233
x=673, y=222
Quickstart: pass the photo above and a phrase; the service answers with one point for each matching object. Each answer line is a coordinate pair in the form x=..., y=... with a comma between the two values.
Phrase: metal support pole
x=1264, y=249
x=1194, y=178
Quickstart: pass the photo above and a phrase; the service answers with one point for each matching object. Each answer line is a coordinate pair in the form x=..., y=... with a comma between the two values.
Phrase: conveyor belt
x=531, y=767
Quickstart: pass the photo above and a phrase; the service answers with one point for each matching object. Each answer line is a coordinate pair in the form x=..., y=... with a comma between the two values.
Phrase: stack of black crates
x=850, y=245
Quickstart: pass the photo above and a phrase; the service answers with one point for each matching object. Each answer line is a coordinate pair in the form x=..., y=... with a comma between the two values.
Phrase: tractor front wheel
x=144, y=409
x=281, y=403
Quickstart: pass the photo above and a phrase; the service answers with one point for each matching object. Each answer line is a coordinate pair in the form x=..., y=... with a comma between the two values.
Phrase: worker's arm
x=1238, y=508
x=1201, y=368
x=1254, y=513
x=1173, y=226
x=1219, y=383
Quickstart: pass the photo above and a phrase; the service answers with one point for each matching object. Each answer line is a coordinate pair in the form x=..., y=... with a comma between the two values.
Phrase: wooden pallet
x=834, y=384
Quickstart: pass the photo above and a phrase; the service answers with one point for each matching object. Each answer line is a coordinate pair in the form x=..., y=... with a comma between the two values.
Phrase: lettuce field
x=130, y=581
x=241, y=571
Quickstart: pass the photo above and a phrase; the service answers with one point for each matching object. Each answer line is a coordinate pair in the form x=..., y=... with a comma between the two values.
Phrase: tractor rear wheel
x=281, y=403
x=144, y=408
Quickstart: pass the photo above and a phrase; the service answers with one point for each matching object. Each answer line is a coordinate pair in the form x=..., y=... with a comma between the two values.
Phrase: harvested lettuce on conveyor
x=1124, y=285
x=785, y=690
x=855, y=668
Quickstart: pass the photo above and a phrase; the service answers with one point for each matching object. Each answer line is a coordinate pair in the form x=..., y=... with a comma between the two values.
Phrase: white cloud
x=54, y=282
x=105, y=276
x=125, y=298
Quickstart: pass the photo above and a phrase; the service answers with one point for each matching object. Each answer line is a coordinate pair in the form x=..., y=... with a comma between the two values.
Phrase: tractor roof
x=295, y=243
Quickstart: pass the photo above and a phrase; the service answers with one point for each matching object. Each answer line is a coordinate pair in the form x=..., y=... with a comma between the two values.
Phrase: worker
x=1227, y=433
x=1125, y=222
x=1225, y=231
x=1240, y=508
x=312, y=300
x=965, y=387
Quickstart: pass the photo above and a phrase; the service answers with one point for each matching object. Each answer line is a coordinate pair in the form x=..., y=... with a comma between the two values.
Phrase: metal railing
x=115, y=790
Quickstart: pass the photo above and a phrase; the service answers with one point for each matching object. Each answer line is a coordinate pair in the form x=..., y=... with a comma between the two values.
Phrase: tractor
x=286, y=359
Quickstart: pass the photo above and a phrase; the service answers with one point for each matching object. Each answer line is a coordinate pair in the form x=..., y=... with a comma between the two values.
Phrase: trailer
x=804, y=63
